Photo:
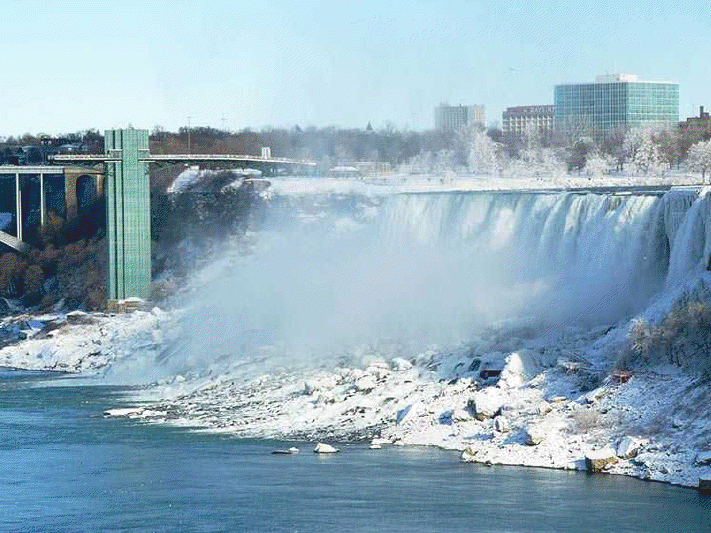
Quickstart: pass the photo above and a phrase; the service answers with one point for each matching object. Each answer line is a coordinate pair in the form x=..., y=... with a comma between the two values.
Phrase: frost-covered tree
x=483, y=154
x=440, y=162
x=643, y=154
x=537, y=162
x=699, y=158
x=597, y=165
x=667, y=141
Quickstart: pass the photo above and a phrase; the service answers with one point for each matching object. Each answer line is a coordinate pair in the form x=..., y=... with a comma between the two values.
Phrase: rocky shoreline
x=513, y=399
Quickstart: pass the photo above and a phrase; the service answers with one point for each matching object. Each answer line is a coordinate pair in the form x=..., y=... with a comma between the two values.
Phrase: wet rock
x=705, y=484
x=325, y=448
x=629, y=447
x=597, y=460
x=533, y=435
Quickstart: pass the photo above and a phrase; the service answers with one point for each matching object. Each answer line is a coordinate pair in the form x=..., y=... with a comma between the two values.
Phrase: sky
x=71, y=66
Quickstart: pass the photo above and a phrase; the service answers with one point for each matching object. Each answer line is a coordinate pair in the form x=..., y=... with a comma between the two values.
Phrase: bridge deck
x=184, y=158
x=30, y=169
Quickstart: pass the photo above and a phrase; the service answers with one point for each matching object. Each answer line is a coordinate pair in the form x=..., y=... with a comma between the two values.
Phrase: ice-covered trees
x=484, y=154
x=597, y=165
x=643, y=154
x=699, y=158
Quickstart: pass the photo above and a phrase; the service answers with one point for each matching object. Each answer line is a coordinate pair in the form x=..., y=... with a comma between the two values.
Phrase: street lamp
x=189, y=135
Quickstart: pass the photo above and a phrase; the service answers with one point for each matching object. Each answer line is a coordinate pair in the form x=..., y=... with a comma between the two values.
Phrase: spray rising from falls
x=334, y=278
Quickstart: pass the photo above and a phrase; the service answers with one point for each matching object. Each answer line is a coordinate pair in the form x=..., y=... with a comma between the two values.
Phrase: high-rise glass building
x=618, y=101
x=128, y=221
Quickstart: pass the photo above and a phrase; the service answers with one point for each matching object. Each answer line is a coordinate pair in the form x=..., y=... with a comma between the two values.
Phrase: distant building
x=453, y=118
x=526, y=119
x=697, y=127
x=616, y=101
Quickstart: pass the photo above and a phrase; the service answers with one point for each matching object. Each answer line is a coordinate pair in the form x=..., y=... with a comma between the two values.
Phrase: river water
x=63, y=467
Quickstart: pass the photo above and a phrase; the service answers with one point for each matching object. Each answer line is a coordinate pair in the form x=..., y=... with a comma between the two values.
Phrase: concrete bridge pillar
x=71, y=177
x=70, y=191
x=18, y=206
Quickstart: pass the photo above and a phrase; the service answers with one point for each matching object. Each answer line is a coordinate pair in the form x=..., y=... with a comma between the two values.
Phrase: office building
x=617, y=101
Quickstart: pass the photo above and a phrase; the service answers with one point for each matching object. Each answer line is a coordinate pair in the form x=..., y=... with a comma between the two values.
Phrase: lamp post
x=189, y=135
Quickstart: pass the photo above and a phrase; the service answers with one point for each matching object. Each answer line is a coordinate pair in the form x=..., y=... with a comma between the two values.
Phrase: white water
x=337, y=278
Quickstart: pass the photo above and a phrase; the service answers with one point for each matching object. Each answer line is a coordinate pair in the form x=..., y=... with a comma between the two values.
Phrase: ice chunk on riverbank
x=325, y=448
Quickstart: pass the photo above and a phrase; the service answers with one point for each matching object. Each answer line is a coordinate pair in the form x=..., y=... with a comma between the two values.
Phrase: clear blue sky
x=72, y=65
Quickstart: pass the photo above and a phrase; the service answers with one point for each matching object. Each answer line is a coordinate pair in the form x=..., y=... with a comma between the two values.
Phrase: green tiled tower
x=128, y=221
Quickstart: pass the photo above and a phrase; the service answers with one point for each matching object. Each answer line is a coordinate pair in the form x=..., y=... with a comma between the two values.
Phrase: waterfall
x=337, y=275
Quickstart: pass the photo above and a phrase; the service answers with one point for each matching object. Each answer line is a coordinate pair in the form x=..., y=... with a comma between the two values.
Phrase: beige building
x=454, y=118
x=527, y=119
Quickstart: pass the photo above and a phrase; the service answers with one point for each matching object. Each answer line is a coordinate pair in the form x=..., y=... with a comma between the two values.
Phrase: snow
x=325, y=448
x=522, y=391
x=397, y=183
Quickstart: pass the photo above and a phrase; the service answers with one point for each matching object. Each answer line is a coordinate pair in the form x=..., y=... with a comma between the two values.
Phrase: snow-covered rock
x=518, y=368
x=468, y=455
x=543, y=408
x=325, y=448
x=597, y=460
x=402, y=414
x=365, y=384
x=533, y=435
x=399, y=364
x=629, y=447
x=486, y=403
x=501, y=424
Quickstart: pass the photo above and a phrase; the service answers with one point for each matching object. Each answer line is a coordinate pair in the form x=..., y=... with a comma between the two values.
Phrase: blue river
x=66, y=468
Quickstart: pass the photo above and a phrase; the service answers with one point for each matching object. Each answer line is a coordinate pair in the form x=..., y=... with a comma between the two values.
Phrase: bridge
x=37, y=189
x=294, y=165
x=121, y=174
